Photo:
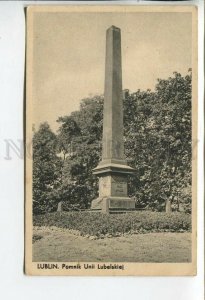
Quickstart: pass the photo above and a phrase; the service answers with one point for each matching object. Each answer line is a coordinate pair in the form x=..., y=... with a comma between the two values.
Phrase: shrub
x=97, y=224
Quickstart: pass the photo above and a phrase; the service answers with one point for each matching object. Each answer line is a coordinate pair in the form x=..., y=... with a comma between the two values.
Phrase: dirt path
x=60, y=245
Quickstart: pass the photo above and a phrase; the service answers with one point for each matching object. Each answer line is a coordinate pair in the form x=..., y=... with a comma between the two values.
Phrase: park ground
x=58, y=244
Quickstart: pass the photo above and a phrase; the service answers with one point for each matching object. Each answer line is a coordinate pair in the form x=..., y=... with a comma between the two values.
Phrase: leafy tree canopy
x=157, y=135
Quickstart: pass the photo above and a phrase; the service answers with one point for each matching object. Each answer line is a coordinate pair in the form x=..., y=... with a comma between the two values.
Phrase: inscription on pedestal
x=122, y=204
x=119, y=186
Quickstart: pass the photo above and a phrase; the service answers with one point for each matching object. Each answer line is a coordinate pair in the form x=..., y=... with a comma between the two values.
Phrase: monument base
x=109, y=204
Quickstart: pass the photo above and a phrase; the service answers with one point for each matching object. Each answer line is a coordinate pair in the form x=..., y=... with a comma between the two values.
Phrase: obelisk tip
x=114, y=28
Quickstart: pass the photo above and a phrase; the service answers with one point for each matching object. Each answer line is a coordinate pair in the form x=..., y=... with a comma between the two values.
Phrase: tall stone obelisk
x=113, y=170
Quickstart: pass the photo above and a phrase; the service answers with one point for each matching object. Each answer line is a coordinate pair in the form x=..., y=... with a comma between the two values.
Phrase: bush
x=97, y=224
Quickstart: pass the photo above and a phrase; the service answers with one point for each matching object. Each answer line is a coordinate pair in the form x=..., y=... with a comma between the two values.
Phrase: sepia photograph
x=111, y=140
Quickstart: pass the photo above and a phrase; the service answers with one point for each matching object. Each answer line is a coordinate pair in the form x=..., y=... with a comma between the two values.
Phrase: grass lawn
x=57, y=244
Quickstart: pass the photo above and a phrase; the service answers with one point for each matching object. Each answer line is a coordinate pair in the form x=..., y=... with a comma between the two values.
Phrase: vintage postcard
x=111, y=140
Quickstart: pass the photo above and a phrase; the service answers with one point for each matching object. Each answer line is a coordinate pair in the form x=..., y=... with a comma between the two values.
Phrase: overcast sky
x=69, y=55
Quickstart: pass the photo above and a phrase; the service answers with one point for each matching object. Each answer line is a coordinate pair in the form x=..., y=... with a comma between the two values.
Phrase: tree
x=158, y=139
x=67, y=131
x=46, y=170
x=79, y=184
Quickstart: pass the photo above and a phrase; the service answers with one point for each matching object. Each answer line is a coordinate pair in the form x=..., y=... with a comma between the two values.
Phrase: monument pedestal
x=113, y=188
